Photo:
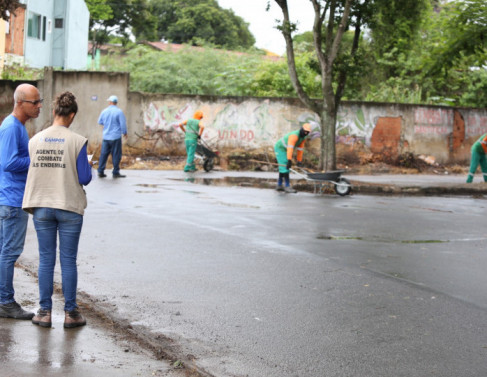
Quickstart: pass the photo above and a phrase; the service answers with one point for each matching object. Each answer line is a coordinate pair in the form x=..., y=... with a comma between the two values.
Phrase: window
x=58, y=23
x=44, y=29
x=34, y=25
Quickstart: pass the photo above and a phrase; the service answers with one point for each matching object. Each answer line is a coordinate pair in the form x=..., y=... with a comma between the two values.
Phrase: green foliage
x=395, y=27
x=436, y=68
x=272, y=78
x=17, y=72
x=211, y=72
x=99, y=10
x=190, y=71
x=197, y=22
x=400, y=73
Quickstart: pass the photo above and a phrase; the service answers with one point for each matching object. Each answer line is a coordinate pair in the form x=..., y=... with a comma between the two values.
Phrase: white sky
x=262, y=23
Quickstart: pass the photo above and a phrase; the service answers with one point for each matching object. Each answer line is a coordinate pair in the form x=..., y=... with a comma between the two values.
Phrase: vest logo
x=53, y=140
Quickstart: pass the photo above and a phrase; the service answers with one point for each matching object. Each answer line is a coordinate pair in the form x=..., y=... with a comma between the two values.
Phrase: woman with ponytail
x=54, y=194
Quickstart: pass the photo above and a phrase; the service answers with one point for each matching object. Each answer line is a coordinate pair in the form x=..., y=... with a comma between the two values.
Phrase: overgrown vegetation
x=441, y=63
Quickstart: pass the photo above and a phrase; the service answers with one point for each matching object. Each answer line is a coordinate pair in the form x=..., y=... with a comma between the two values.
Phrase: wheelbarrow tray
x=333, y=176
x=204, y=151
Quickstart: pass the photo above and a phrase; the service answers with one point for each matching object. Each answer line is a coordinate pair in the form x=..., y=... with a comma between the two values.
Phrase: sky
x=262, y=23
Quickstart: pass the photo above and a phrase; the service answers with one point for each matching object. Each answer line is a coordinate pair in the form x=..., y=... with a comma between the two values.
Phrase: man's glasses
x=35, y=103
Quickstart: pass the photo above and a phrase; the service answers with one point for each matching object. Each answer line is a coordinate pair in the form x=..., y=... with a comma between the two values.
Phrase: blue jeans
x=47, y=222
x=13, y=227
x=113, y=147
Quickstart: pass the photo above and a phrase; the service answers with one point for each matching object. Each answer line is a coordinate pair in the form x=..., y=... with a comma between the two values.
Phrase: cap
x=306, y=127
x=198, y=114
x=113, y=99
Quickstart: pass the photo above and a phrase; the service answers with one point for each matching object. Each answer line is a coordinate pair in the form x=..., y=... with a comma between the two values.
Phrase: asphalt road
x=251, y=282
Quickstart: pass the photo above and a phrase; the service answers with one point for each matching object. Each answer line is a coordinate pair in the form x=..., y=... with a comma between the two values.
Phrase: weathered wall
x=91, y=89
x=256, y=123
x=251, y=123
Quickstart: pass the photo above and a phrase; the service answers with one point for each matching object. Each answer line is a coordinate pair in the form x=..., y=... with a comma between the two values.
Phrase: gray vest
x=52, y=180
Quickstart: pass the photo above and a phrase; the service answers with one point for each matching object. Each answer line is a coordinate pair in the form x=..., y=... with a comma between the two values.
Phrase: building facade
x=48, y=33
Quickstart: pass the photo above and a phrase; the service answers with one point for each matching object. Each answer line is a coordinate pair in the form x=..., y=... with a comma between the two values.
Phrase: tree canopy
x=437, y=58
x=8, y=7
x=195, y=22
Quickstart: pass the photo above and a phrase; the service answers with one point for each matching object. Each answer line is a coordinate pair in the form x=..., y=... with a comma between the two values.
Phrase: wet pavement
x=110, y=345
x=97, y=349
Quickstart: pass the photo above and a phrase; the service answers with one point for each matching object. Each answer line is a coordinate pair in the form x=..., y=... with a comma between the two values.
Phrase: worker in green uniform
x=479, y=149
x=284, y=149
x=193, y=131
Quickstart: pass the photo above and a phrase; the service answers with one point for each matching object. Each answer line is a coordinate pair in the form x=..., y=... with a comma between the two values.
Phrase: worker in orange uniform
x=193, y=132
x=284, y=150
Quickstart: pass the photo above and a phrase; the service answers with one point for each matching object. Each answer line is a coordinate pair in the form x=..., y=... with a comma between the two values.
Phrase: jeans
x=115, y=148
x=13, y=227
x=47, y=222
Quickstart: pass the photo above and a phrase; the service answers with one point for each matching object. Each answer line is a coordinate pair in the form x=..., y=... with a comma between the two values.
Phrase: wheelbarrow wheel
x=208, y=164
x=343, y=187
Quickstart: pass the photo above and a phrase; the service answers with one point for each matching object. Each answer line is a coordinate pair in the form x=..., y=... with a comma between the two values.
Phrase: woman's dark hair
x=65, y=104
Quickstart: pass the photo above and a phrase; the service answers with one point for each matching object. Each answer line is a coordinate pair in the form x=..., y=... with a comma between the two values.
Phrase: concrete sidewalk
x=98, y=349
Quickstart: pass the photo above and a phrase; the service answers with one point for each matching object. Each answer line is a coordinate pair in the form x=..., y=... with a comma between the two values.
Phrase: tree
x=333, y=18
x=7, y=7
x=117, y=17
x=464, y=34
x=195, y=22
x=326, y=43
x=395, y=29
x=99, y=12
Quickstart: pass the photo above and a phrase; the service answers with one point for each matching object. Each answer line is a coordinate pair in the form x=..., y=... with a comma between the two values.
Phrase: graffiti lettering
x=475, y=120
x=245, y=135
x=431, y=130
x=433, y=116
x=477, y=131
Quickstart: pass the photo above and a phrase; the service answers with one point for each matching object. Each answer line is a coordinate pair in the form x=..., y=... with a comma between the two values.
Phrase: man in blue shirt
x=14, y=164
x=114, y=126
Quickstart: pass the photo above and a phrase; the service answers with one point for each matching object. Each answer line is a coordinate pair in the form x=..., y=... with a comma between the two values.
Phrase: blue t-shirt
x=113, y=121
x=14, y=161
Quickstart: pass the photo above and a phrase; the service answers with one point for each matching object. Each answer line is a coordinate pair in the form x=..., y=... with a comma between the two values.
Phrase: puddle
x=424, y=241
x=375, y=239
x=231, y=181
x=236, y=205
x=323, y=237
x=148, y=185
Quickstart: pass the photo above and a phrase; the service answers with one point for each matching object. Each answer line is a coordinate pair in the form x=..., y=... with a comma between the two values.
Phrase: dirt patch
x=356, y=159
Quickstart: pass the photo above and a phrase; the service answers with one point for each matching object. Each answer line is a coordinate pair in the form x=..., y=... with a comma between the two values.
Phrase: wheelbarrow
x=206, y=154
x=320, y=180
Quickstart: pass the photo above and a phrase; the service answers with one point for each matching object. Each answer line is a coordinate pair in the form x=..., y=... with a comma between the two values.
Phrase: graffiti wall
x=250, y=123
x=247, y=124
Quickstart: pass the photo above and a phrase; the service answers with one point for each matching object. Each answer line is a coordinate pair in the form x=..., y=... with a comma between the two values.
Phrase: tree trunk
x=328, y=151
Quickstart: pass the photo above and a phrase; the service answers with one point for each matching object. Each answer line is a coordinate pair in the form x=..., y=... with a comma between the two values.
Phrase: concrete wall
x=391, y=129
x=91, y=89
x=247, y=123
